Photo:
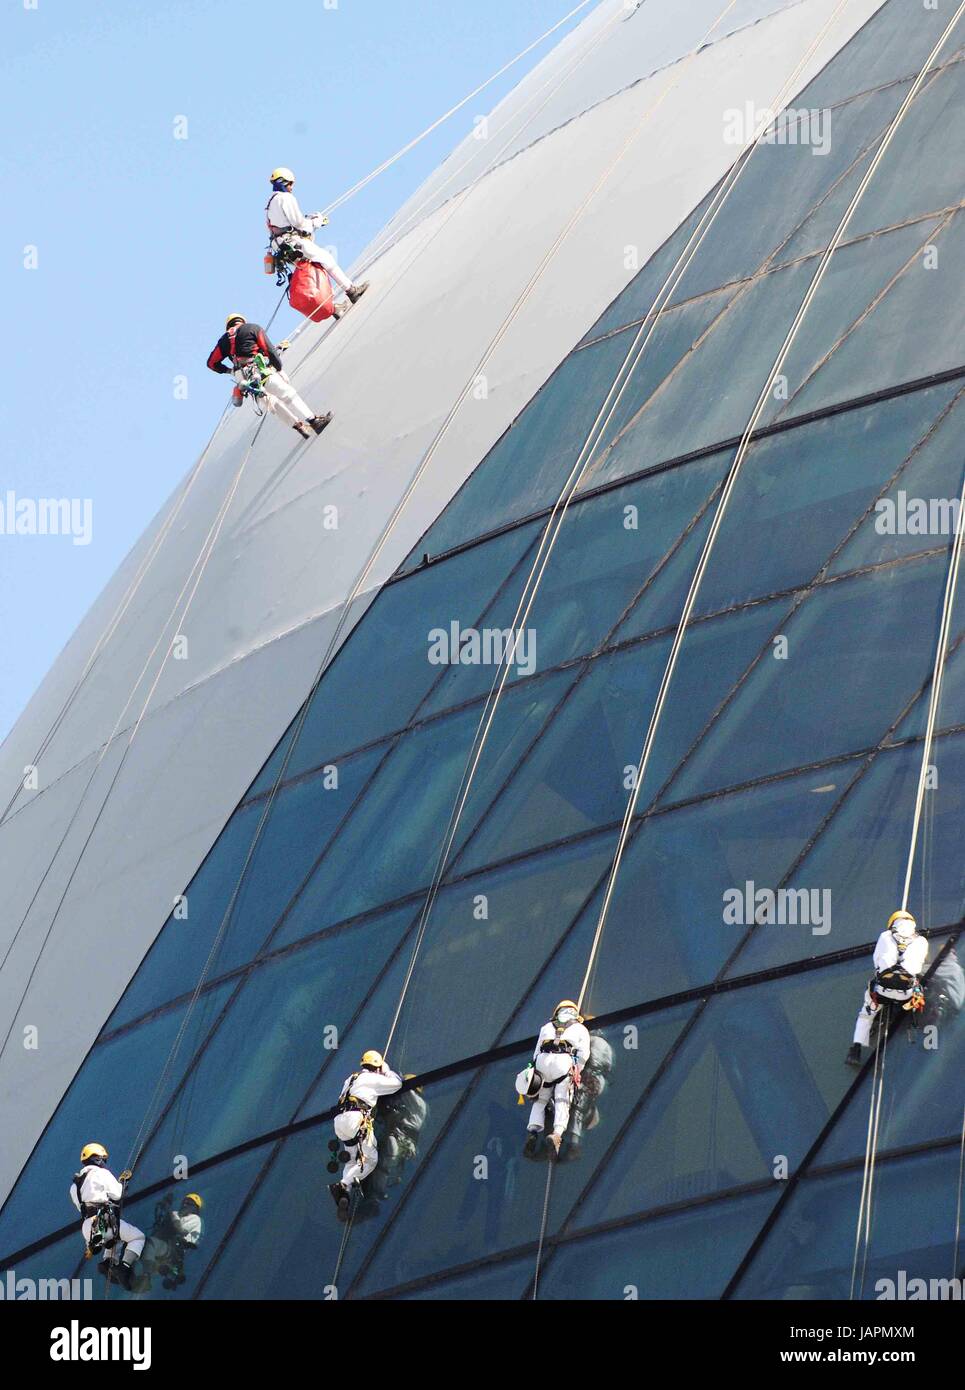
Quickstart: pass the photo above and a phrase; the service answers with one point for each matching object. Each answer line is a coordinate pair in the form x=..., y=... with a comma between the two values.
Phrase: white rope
x=729, y=488
x=393, y=159
x=558, y=514
x=941, y=654
x=863, y=1229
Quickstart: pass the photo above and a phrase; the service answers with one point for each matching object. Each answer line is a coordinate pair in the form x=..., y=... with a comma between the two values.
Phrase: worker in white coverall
x=562, y=1049
x=288, y=226
x=95, y=1190
x=899, y=959
x=256, y=367
x=354, y=1123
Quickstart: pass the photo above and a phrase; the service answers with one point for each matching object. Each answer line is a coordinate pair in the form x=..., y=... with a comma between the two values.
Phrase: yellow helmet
x=90, y=1151
x=902, y=924
x=195, y=1198
x=372, y=1058
x=281, y=173
x=234, y=318
x=568, y=1004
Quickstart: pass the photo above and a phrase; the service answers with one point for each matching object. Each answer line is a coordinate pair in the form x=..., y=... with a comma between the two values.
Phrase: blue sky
x=144, y=242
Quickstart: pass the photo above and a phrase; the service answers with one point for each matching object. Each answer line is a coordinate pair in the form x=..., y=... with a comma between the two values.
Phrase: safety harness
x=284, y=256
x=105, y=1216
x=362, y=1107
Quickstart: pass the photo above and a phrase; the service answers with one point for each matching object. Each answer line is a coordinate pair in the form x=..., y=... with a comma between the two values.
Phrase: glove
x=319, y=219
x=283, y=346
x=125, y=1176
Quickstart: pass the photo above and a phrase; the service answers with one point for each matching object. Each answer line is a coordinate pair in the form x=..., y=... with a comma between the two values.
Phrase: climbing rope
x=941, y=654
x=728, y=489
x=956, y=1272
x=561, y=506
x=862, y=1237
x=550, y=1166
x=393, y=159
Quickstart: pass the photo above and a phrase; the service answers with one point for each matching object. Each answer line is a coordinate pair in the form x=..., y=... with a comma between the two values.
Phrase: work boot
x=302, y=428
x=853, y=1058
x=355, y=292
x=531, y=1147
x=318, y=422
x=555, y=1140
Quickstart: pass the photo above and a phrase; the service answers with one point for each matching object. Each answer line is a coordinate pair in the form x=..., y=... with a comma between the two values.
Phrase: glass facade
x=725, y=1157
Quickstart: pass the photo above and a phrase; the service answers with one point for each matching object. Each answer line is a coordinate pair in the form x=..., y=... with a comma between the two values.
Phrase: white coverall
x=889, y=953
x=283, y=211
x=280, y=396
x=97, y=1187
x=364, y=1155
x=556, y=1069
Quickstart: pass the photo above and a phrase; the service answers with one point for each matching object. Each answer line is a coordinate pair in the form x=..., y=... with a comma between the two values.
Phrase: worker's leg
x=537, y=1114
x=866, y=1016
x=286, y=400
x=310, y=252
x=133, y=1240
x=562, y=1095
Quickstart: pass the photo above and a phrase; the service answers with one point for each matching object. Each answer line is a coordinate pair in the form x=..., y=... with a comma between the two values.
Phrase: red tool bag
x=310, y=292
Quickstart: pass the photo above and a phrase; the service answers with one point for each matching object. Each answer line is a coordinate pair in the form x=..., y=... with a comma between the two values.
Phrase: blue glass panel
x=893, y=43
x=392, y=842
x=857, y=652
x=857, y=865
x=933, y=126
x=799, y=493
x=472, y=968
x=303, y=818
x=915, y=512
x=387, y=653
x=809, y=1252
x=665, y=930
x=687, y=1255
x=951, y=700
x=783, y=181
x=857, y=275
x=746, y=1094
x=687, y=413
x=272, y=1042
x=577, y=777
x=604, y=555
x=503, y=1281
x=915, y=330
x=478, y=1193
x=107, y=1101
x=288, y=1240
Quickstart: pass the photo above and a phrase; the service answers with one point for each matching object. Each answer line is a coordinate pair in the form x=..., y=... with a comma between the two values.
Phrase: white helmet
x=902, y=924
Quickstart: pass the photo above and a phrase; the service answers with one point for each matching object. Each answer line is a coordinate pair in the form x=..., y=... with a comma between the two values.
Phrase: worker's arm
x=886, y=952
x=916, y=953
x=547, y=1031
x=384, y=1083
x=72, y=1193
x=294, y=217
x=216, y=360
x=269, y=349
x=581, y=1044
x=112, y=1188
